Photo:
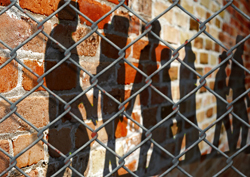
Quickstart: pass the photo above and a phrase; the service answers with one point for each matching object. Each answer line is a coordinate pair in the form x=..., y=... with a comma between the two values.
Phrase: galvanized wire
x=148, y=83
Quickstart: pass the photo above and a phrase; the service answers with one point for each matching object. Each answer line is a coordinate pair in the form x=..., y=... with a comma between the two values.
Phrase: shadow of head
x=222, y=57
x=67, y=13
x=240, y=48
x=119, y=25
x=156, y=28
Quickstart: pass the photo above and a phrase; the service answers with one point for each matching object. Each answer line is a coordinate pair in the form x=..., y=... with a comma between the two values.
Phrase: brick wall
x=121, y=81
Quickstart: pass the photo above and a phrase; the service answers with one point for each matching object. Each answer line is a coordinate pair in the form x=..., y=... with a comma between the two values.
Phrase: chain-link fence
x=176, y=106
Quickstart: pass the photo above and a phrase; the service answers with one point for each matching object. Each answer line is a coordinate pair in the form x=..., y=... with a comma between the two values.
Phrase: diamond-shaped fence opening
x=124, y=88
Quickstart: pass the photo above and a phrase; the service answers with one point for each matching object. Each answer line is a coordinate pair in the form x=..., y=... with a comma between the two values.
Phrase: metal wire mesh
x=148, y=83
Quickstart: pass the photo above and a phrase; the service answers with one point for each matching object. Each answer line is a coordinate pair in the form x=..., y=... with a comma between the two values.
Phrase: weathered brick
x=203, y=58
x=159, y=8
x=171, y=34
x=4, y=160
x=217, y=22
x=38, y=43
x=33, y=155
x=205, y=3
x=4, y=2
x=61, y=140
x=213, y=60
x=33, y=109
x=185, y=36
x=8, y=75
x=181, y=20
x=145, y=7
x=89, y=46
x=90, y=7
x=30, y=80
x=209, y=112
x=198, y=42
x=194, y=25
x=209, y=44
x=13, y=31
x=186, y=5
x=201, y=12
x=33, y=173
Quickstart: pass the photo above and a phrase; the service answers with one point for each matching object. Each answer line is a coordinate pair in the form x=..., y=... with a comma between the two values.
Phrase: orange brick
x=90, y=9
x=8, y=75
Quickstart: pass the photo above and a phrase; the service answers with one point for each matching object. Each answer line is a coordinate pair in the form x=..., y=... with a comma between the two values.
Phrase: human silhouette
x=148, y=58
x=221, y=88
x=187, y=108
x=65, y=78
x=237, y=84
x=116, y=32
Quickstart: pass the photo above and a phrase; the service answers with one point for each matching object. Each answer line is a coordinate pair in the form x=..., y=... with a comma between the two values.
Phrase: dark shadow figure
x=116, y=32
x=237, y=83
x=159, y=161
x=221, y=88
x=187, y=108
x=65, y=78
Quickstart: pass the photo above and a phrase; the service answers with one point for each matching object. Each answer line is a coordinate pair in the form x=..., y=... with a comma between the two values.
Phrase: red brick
x=47, y=7
x=4, y=160
x=61, y=140
x=4, y=2
x=117, y=2
x=64, y=77
x=33, y=155
x=121, y=129
x=44, y=7
x=8, y=75
x=29, y=79
x=126, y=74
x=138, y=47
x=90, y=9
x=33, y=109
x=131, y=166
